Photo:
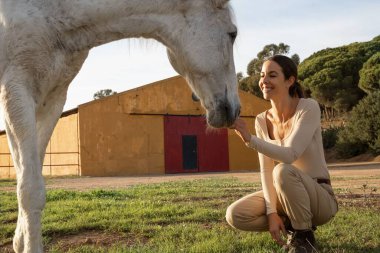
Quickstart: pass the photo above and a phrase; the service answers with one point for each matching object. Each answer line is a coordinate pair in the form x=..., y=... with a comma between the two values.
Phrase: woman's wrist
x=272, y=214
x=247, y=138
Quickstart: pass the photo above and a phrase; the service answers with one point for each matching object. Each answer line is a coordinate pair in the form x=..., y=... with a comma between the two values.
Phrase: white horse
x=43, y=44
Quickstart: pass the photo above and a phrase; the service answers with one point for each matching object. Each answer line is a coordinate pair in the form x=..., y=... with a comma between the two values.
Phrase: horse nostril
x=227, y=109
x=231, y=114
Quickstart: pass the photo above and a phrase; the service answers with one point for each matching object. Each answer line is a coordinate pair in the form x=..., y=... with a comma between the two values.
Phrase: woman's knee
x=247, y=214
x=282, y=172
x=232, y=217
x=246, y=223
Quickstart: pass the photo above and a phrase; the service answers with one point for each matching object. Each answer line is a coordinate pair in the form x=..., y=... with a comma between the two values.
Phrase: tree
x=251, y=83
x=239, y=76
x=254, y=67
x=273, y=49
x=362, y=131
x=331, y=75
x=104, y=93
x=370, y=74
x=296, y=59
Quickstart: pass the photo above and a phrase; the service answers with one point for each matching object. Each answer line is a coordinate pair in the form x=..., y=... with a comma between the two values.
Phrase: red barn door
x=190, y=147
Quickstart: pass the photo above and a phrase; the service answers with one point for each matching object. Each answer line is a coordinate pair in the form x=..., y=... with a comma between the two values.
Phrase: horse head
x=201, y=50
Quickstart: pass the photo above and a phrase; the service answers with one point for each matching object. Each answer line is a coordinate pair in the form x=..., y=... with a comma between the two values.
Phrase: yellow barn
x=154, y=129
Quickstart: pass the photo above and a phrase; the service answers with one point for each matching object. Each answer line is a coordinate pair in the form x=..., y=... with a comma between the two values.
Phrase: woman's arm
x=300, y=138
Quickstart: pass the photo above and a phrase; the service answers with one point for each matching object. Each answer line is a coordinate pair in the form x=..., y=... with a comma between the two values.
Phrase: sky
x=307, y=26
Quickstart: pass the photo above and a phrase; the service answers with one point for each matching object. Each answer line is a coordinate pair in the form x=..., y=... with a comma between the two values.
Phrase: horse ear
x=219, y=3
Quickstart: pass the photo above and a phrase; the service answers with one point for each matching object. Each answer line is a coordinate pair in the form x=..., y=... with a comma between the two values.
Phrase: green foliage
x=296, y=59
x=332, y=75
x=362, y=131
x=377, y=38
x=349, y=148
x=330, y=136
x=104, y=93
x=370, y=74
x=239, y=75
x=251, y=82
x=251, y=85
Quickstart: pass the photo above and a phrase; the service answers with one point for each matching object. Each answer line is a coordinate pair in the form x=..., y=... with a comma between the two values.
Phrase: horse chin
x=216, y=122
x=221, y=118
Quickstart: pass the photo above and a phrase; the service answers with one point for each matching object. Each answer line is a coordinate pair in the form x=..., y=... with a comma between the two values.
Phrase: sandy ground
x=351, y=176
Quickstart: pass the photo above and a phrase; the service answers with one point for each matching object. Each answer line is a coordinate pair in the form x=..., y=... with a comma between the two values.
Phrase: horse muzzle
x=223, y=115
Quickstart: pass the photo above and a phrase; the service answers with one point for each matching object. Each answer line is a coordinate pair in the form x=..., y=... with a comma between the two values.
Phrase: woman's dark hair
x=289, y=68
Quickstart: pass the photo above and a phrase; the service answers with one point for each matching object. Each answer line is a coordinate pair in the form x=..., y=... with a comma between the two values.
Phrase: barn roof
x=171, y=96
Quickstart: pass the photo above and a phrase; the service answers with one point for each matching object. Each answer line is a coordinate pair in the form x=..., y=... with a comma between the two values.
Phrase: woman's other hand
x=241, y=129
x=276, y=226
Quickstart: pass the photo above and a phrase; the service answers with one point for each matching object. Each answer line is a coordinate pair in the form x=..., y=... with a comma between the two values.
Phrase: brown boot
x=302, y=241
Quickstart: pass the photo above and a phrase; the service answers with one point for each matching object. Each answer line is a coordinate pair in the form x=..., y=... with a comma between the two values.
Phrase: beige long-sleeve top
x=302, y=147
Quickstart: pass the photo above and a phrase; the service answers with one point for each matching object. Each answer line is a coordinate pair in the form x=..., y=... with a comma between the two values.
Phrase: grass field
x=183, y=216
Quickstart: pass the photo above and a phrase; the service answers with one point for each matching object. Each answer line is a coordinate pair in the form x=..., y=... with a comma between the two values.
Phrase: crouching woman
x=296, y=191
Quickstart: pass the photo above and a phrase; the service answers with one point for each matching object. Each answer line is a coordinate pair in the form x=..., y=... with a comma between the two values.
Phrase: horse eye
x=194, y=97
x=233, y=36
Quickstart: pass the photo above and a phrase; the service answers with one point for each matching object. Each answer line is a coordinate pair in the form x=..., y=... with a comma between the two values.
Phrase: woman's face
x=272, y=81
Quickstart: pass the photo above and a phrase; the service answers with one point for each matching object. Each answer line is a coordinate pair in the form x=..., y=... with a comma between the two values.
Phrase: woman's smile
x=267, y=89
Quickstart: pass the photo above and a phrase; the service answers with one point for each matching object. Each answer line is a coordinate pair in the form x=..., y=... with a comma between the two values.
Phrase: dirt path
x=350, y=176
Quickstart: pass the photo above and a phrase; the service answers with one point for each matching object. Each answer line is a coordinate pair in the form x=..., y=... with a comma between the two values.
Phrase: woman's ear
x=291, y=81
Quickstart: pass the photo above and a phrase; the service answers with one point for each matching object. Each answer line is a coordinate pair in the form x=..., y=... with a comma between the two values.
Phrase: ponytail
x=296, y=90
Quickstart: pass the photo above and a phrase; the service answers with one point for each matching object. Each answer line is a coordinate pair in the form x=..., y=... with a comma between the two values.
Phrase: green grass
x=7, y=182
x=185, y=216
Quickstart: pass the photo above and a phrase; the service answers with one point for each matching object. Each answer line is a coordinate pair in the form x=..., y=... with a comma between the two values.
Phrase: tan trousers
x=300, y=198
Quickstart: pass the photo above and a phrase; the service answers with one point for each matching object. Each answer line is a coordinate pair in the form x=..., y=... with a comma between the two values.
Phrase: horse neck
x=87, y=24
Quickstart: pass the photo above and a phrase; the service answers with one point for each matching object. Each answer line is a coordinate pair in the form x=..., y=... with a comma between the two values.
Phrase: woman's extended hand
x=241, y=129
x=276, y=226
